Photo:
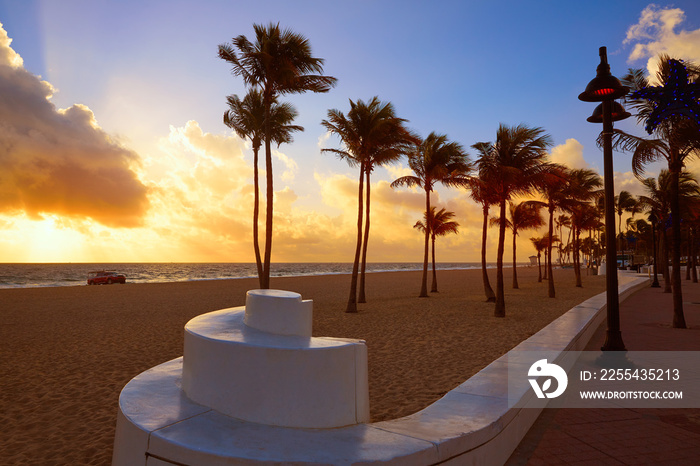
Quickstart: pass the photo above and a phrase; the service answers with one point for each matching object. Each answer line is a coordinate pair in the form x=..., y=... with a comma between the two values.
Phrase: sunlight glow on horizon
x=139, y=168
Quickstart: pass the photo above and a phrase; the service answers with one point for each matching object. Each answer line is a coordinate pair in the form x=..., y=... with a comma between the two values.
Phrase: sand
x=66, y=353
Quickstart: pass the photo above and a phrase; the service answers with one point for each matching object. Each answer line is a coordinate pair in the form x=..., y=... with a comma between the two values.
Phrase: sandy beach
x=66, y=353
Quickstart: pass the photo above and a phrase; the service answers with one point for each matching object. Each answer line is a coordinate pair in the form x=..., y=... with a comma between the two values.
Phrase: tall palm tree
x=516, y=161
x=583, y=187
x=371, y=134
x=278, y=62
x=658, y=201
x=523, y=216
x=246, y=117
x=481, y=191
x=552, y=185
x=677, y=139
x=439, y=223
x=435, y=160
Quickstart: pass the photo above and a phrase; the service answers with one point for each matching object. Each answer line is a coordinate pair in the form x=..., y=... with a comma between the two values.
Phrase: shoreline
x=70, y=350
x=73, y=282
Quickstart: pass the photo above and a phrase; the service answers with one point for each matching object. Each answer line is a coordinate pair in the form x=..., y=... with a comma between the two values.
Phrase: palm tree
x=540, y=245
x=553, y=186
x=435, y=160
x=624, y=202
x=583, y=186
x=523, y=216
x=481, y=191
x=439, y=224
x=584, y=216
x=278, y=62
x=658, y=202
x=560, y=222
x=246, y=118
x=371, y=134
x=677, y=140
x=515, y=162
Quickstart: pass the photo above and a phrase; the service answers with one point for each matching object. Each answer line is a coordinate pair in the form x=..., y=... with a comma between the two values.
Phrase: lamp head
x=617, y=113
x=604, y=86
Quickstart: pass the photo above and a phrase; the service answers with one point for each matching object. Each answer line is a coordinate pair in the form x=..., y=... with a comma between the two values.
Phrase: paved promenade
x=626, y=436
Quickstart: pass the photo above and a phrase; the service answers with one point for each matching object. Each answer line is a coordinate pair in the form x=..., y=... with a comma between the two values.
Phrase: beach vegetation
x=657, y=201
x=371, y=135
x=540, y=245
x=439, y=223
x=522, y=216
x=247, y=118
x=625, y=202
x=516, y=161
x=435, y=160
x=584, y=187
x=278, y=62
x=675, y=139
x=482, y=192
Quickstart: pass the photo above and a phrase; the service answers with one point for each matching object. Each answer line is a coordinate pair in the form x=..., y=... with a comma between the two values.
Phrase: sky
x=113, y=148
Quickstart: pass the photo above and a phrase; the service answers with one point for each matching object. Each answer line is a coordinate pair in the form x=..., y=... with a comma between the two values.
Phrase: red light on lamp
x=606, y=91
x=604, y=86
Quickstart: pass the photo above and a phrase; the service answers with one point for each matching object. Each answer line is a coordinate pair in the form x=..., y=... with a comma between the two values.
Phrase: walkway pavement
x=626, y=436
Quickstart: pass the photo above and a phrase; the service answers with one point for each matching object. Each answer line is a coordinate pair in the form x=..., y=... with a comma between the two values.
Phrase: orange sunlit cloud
x=58, y=161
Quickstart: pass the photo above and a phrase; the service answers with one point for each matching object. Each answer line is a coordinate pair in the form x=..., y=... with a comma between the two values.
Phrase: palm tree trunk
x=434, y=288
x=269, y=213
x=424, y=281
x=361, y=298
x=577, y=258
x=490, y=295
x=267, y=103
x=256, y=214
x=621, y=249
x=352, y=300
x=678, y=317
x=500, y=310
x=688, y=262
x=552, y=293
x=539, y=267
x=544, y=275
x=515, y=270
x=664, y=260
x=693, y=256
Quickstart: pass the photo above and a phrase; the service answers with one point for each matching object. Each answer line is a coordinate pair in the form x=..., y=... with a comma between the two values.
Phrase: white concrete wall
x=472, y=424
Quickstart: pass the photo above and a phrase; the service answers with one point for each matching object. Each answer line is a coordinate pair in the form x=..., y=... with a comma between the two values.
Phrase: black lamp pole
x=606, y=88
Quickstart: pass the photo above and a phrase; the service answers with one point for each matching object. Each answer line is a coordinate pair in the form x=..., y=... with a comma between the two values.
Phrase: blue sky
x=146, y=69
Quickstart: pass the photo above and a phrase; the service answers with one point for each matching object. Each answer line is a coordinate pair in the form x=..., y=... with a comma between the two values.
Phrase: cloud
x=59, y=161
x=396, y=171
x=323, y=139
x=291, y=166
x=8, y=56
x=655, y=34
x=570, y=154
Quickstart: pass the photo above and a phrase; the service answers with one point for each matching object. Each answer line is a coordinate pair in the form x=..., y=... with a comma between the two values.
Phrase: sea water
x=74, y=274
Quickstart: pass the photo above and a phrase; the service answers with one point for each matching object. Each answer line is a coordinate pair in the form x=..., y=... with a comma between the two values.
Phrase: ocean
x=45, y=275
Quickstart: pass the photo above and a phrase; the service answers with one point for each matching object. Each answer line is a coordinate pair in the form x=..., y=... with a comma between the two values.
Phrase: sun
x=44, y=240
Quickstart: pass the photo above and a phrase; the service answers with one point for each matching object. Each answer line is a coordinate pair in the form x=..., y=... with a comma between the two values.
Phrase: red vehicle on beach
x=104, y=277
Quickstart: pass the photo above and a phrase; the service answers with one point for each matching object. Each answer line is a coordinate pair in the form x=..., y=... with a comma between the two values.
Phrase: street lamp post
x=653, y=220
x=606, y=88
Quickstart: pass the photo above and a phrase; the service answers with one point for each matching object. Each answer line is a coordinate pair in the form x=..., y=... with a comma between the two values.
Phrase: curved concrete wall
x=472, y=424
